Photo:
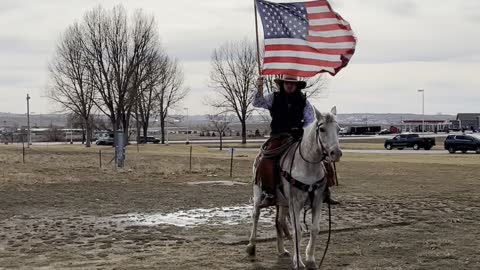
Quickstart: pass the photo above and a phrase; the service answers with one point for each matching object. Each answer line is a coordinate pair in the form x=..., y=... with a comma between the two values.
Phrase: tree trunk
x=146, y=124
x=145, y=132
x=221, y=144
x=162, y=129
x=244, y=131
x=88, y=131
x=83, y=134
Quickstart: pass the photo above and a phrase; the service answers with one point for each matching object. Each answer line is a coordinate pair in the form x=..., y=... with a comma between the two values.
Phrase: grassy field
x=60, y=210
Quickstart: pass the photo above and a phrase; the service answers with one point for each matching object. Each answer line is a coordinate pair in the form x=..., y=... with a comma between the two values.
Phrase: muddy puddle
x=235, y=215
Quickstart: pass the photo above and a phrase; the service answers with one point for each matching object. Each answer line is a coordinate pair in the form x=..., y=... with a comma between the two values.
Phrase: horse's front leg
x=295, y=206
x=315, y=228
x=280, y=224
x=257, y=191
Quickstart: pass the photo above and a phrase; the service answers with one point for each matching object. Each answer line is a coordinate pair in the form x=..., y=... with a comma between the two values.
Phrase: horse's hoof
x=311, y=265
x=251, y=250
x=300, y=265
x=284, y=254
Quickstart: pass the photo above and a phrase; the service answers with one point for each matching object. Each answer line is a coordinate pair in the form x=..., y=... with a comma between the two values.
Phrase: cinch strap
x=303, y=187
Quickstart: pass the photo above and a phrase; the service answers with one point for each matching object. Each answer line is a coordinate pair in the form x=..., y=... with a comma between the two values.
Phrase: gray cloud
x=395, y=37
x=402, y=8
x=15, y=44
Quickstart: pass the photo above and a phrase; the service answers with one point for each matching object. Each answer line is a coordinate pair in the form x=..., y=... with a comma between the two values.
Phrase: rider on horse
x=290, y=112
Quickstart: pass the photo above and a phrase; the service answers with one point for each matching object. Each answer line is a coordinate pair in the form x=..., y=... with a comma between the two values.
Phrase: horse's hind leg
x=255, y=215
x=280, y=224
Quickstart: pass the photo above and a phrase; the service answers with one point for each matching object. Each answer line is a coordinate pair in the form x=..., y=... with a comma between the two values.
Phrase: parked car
x=384, y=132
x=150, y=139
x=409, y=141
x=462, y=143
x=106, y=139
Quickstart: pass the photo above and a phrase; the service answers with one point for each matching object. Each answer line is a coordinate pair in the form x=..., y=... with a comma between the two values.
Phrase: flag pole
x=256, y=32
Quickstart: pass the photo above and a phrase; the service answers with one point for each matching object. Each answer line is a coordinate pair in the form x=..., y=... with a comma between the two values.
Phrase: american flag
x=304, y=38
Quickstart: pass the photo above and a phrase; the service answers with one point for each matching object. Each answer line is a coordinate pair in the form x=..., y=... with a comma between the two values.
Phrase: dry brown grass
x=61, y=188
x=76, y=163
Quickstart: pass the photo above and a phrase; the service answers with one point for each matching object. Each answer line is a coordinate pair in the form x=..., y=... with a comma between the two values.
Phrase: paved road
x=260, y=140
x=416, y=152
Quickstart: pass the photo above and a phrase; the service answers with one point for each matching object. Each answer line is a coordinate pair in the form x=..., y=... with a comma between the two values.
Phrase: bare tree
x=54, y=133
x=147, y=100
x=117, y=56
x=75, y=121
x=220, y=122
x=170, y=91
x=232, y=76
x=69, y=78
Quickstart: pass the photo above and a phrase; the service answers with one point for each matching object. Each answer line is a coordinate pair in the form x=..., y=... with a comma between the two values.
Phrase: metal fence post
x=231, y=162
x=191, y=158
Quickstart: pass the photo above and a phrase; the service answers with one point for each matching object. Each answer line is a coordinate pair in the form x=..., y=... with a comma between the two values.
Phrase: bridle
x=325, y=154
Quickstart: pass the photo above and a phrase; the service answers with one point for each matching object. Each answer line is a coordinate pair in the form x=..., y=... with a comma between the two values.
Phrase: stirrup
x=268, y=200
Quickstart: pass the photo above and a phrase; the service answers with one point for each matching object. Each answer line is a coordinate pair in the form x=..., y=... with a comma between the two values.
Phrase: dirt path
x=87, y=226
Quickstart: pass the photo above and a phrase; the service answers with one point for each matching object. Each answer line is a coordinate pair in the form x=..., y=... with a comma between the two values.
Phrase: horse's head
x=327, y=134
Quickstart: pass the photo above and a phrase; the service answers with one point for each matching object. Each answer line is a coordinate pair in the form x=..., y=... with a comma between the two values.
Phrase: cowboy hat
x=289, y=78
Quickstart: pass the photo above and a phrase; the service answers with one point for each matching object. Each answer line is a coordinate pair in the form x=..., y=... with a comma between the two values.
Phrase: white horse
x=303, y=183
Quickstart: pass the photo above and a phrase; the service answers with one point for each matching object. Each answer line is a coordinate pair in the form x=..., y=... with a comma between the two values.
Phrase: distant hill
x=36, y=120
x=45, y=120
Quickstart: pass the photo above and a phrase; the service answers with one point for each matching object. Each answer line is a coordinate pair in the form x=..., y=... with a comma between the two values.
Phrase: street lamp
x=29, y=134
x=423, y=108
x=188, y=142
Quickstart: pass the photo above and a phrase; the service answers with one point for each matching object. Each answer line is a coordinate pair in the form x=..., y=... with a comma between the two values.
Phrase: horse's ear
x=318, y=114
x=334, y=110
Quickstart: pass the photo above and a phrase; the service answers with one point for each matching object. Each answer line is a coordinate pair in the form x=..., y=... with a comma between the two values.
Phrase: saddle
x=267, y=164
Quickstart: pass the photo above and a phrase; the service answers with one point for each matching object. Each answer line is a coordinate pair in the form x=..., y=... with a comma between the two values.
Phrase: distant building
x=467, y=121
x=430, y=125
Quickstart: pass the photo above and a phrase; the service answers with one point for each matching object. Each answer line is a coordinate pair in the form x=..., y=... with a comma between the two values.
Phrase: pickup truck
x=409, y=141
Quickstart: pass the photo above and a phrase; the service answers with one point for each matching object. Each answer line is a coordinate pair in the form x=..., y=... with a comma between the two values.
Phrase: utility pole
x=29, y=135
x=423, y=108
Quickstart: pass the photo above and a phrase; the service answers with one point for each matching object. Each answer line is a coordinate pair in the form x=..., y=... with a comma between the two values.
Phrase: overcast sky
x=403, y=45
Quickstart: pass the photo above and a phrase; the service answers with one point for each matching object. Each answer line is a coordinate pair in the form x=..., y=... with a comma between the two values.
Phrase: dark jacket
x=287, y=113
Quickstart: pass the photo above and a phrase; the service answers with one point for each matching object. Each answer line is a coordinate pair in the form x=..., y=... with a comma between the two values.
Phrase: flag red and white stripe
x=328, y=47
